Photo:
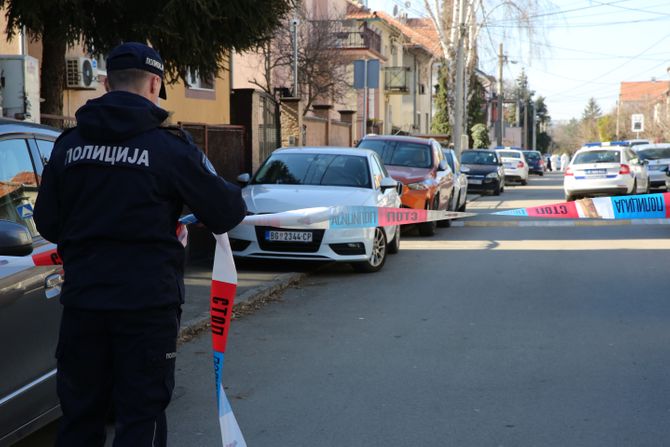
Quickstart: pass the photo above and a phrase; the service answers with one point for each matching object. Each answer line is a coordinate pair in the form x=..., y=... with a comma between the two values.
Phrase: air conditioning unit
x=80, y=73
x=20, y=87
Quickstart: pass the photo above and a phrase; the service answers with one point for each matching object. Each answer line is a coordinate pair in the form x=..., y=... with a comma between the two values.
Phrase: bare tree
x=462, y=21
x=322, y=66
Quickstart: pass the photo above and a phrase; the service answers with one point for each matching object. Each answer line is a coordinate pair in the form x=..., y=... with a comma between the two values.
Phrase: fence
x=319, y=132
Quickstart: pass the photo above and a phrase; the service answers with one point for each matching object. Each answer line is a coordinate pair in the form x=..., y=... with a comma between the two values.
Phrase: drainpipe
x=414, y=95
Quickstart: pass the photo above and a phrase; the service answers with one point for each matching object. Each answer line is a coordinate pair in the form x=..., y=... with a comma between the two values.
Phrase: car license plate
x=597, y=172
x=509, y=165
x=288, y=236
x=475, y=181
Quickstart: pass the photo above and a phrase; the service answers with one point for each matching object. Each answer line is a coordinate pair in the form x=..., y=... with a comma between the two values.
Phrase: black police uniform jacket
x=110, y=198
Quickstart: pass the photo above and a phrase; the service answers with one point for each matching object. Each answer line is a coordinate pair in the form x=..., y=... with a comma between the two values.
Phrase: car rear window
x=509, y=154
x=532, y=156
x=654, y=154
x=479, y=158
x=603, y=156
x=401, y=153
x=314, y=169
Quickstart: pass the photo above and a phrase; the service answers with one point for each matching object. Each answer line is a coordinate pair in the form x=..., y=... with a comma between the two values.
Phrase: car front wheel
x=378, y=256
x=429, y=228
x=394, y=245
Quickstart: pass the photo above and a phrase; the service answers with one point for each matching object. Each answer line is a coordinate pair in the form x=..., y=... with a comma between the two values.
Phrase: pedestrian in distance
x=549, y=164
x=110, y=198
x=565, y=160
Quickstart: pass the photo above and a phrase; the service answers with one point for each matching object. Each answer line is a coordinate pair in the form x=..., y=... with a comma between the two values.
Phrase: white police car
x=598, y=169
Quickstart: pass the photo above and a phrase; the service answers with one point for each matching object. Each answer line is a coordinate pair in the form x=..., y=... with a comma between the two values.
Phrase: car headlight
x=492, y=175
x=465, y=169
x=420, y=186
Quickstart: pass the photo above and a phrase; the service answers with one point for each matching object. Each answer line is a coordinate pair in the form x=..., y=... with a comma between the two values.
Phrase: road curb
x=280, y=282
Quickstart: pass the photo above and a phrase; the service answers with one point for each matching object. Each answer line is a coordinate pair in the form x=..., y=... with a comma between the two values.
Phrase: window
x=401, y=153
x=18, y=183
x=45, y=147
x=314, y=169
x=198, y=82
x=377, y=171
x=603, y=156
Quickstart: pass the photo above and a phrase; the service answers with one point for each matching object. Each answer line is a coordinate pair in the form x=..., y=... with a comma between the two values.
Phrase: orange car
x=420, y=165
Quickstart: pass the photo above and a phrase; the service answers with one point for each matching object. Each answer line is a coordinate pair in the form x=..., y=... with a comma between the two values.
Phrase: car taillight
x=569, y=171
x=541, y=162
x=625, y=169
x=520, y=165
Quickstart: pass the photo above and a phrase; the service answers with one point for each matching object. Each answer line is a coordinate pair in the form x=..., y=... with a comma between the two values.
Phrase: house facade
x=650, y=99
x=202, y=101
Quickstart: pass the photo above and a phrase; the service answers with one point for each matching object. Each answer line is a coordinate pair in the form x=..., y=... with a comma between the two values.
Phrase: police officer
x=110, y=198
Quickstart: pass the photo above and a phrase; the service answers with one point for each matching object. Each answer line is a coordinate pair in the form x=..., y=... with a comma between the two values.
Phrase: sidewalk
x=252, y=285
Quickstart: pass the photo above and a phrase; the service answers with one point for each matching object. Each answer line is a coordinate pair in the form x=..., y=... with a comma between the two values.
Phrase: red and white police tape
x=224, y=274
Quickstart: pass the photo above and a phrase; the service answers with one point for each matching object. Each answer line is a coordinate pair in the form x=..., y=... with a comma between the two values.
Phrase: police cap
x=139, y=56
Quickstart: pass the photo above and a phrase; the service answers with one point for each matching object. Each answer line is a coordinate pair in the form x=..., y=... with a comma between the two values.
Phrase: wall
x=316, y=131
x=340, y=134
x=199, y=105
x=6, y=47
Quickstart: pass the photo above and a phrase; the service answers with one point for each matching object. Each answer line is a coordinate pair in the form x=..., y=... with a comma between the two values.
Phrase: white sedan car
x=605, y=170
x=516, y=165
x=658, y=161
x=308, y=177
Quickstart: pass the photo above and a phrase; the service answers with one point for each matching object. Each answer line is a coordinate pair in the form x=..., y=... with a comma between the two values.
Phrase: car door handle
x=52, y=285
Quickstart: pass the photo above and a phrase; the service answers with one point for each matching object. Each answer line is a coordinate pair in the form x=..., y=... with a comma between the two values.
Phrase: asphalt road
x=481, y=336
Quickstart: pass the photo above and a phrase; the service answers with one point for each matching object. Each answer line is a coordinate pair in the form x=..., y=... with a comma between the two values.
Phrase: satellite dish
x=395, y=10
x=87, y=73
x=408, y=5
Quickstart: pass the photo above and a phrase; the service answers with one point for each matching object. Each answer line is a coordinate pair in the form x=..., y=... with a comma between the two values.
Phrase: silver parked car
x=29, y=296
x=460, y=196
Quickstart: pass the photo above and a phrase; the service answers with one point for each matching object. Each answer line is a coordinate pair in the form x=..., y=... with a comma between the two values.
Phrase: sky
x=582, y=49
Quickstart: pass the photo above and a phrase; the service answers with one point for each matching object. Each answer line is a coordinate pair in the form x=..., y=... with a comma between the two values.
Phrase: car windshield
x=532, y=156
x=654, y=154
x=479, y=158
x=509, y=154
x=603, y=156
x=401, y=153
x=314, y=169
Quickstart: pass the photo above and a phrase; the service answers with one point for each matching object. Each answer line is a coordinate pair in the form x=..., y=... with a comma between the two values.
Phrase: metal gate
x=268, y=126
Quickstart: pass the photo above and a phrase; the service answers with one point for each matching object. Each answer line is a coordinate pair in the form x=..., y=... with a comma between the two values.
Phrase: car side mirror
x=244, y=179
x=388, y=183
x=15, y=239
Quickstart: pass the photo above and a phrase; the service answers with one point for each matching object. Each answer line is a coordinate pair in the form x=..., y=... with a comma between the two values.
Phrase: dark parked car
x=484, y=170
x=535, y=162
x=29, y=296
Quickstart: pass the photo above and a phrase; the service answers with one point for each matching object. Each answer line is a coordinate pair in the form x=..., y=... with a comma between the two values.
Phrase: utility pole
x=460, y=106
x=501, y=115
x=365, y=99
x=294, y=33
x=534, y=128
x=525, y=119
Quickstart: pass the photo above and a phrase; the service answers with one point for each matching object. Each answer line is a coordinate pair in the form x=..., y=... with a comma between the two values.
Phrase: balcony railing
x=365, y=38
x=396, y=79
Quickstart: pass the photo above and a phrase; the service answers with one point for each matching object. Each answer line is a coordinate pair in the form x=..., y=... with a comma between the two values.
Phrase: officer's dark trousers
x=116, y=359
